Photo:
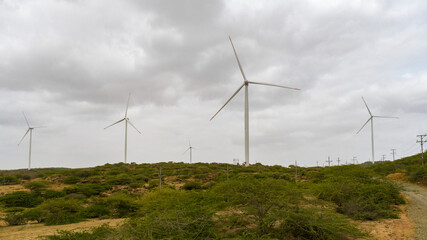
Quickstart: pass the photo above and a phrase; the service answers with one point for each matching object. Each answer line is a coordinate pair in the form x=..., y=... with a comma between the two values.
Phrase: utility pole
x=393, y=152
x=383, y=157
x=421, y=141
x=338, y=161
x=317, y=163
x=329, y=161
x=354, y=160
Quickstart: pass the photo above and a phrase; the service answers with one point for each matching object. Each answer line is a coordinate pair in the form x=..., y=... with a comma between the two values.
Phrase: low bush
x=71, y=180
x=87, y=189
x=9, y=180
x=121, y=205
x=99, y=233
x=192, y=186
x=15, y=218
x=95, y=211
x=36, y=187
x=49, y=194
x=60, y=211
x=34, y=214
x=21, y=199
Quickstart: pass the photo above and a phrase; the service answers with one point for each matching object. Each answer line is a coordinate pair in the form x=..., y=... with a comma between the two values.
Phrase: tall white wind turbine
x=371, y=118
x=126, y=119
x=191, y=151
x=30, y=129
x=246, y=85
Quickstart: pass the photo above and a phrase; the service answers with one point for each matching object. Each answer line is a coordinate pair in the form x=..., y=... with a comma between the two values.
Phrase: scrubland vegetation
x=202, y=201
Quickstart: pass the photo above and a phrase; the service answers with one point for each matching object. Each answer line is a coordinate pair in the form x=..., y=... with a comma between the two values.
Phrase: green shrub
x=36, y=187
x=21, y=199
x=357, y=193
x=121, y=179
x=34, y=214
x=121, y=205
x=99, y=233
x=153, y=183
x=71, y=180
x=49, y=194
x=15, y=209
x=87, y=189
x=15, y=218
x=192, y=186
x=95, y=211
x=9, y=180
x=314, y=224
x=60, y=211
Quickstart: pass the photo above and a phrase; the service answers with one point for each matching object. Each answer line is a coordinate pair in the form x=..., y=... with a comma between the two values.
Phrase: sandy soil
x=32, y=231
x=390, y=229
x=417, y=208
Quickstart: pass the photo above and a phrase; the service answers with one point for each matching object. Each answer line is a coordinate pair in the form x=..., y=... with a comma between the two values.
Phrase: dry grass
x=398, y=177
x=33, y=231
x=5, y=189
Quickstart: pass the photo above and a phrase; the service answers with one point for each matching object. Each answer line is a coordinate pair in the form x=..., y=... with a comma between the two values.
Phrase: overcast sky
x=70, y=65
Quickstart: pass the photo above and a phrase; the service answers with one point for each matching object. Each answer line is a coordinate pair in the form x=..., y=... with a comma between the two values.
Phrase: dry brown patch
x=390, y=229
x=398, y=177
x=5, y=189
x=33, y=231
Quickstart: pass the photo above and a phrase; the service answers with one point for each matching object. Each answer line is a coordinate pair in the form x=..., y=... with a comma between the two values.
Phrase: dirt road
x=417, y=208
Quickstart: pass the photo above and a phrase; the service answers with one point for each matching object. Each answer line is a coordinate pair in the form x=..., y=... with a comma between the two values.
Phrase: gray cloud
x=70, y=65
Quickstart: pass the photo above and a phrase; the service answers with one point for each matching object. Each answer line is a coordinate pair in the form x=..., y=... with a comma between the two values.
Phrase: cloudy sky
x=70, y=65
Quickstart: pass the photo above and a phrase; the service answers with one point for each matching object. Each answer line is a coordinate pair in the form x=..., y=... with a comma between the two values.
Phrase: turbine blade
x=385, y=117
x=189, y=143
x=237, y=58
x=228, y=101
x=26, y=119
x=185, y=151
x=127, y=106
x=133, y=126
x=114, y=123
x=364, y=125
x=24, y=136
x=367, y=106
x=273, y=85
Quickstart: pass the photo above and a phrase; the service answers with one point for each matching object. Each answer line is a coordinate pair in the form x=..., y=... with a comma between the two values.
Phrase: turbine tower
x=30, y=129
x=246, y=85
x=372, y=127
x=191, y=151
x=126, y=119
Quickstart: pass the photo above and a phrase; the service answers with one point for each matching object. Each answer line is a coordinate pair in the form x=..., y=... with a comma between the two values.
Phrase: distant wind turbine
x=372, y=127
x=191, y=151
x=30, y=129
x=246, y=85
x=126, y=119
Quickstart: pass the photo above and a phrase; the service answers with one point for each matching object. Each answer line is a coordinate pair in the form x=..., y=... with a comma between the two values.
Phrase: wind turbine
x=30, y=129
x=191, y=151
x=126, y=119
x=246, y=85
x=372, y=126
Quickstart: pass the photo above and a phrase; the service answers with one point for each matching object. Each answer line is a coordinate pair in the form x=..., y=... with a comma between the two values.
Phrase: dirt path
x=417, y=208
x=32, y=231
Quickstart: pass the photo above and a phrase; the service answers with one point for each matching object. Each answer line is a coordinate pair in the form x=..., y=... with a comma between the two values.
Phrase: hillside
x=210, y=201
